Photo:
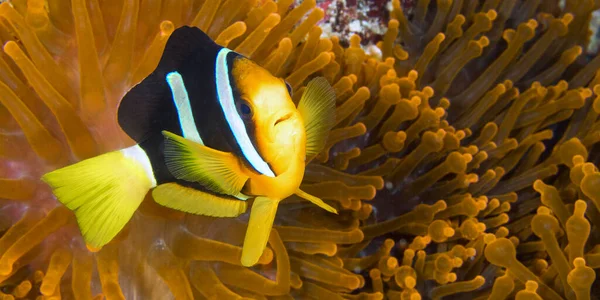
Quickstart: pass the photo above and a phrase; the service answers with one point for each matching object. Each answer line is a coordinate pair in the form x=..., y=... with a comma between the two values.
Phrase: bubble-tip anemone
x=465, y=151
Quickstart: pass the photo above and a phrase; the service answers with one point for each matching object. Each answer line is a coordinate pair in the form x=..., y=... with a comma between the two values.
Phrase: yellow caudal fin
x=315, y=200
x=175, y=196
x=103, y=191
x=262, y=216
x=317, y=108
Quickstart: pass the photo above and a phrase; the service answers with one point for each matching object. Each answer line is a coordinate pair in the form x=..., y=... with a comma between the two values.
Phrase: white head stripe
x=233, y=118
x=184, y=109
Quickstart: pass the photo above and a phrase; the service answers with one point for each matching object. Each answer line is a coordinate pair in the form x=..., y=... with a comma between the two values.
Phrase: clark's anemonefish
x=213, y=129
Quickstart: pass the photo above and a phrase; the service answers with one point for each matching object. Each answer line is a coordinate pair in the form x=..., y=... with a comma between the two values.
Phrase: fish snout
x=284, y=126
x=285, y=122
x=284, y=139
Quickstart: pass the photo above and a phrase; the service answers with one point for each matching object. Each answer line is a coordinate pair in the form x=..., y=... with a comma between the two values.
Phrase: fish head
x=278, y=129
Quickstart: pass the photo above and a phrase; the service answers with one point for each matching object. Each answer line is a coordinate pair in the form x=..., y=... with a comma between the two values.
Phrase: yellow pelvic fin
x=315, y=200
x=262, y=215
x=175, y=196
x=317, y=108
x=218, y=171
x=103, y=191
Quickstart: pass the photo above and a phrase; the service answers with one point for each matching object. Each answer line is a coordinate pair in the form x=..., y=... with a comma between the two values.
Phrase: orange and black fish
x=213, y=129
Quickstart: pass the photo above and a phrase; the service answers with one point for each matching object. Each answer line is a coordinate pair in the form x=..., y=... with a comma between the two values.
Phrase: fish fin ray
x=260, y=224
x=189, y=200
x=218, y=171
x=102, y=199
x=317, y=108
x=315, y=200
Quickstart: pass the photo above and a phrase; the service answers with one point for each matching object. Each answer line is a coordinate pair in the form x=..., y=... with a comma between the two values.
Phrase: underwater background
x=463, y=161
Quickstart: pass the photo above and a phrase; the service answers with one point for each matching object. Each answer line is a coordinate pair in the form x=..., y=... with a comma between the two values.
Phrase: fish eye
x=245, y=109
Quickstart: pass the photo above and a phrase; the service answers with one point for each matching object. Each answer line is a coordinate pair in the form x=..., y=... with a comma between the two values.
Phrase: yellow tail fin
x=103, y=191
x=262, y=216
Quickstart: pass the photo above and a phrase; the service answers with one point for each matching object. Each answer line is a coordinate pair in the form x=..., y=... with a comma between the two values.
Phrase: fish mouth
x=284, y=126
x=283, y=118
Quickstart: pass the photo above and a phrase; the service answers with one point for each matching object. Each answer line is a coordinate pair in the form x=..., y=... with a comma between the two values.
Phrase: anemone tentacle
x=463, y=160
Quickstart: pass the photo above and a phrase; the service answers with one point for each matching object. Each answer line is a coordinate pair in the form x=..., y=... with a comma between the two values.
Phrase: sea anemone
x=462, y=160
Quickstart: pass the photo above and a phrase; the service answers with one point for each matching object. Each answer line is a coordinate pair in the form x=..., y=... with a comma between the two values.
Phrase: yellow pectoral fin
x=316, y=201
x=175, y=196
x=103, y=191
x=317, y=108
x=262, y=216
x=216, y=170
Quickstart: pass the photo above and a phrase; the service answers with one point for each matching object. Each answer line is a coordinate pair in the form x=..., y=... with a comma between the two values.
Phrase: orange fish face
x=279, y=133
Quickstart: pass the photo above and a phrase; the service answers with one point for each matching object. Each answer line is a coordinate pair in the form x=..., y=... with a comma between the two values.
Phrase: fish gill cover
x=463, y=160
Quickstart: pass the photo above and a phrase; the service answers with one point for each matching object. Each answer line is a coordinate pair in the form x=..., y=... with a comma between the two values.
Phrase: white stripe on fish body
x=232, y=116
x=138, y=154
x=184, y=108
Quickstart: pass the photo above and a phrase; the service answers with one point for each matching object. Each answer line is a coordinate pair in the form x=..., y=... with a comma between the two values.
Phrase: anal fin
x=178, y=197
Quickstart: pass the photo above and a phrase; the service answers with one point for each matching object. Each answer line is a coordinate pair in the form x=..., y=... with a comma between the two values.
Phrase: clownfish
x=214, y=130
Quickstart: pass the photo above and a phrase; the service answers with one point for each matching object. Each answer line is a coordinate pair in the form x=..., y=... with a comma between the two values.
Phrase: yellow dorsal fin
x=317, y=108
x=103, y=191
x=175, y=196
x=218, y=171
x=262, y=216
x=315, y=200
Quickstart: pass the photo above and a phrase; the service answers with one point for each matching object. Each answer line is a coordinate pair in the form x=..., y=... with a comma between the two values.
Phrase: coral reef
x=365, y=18
x=463, y=161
